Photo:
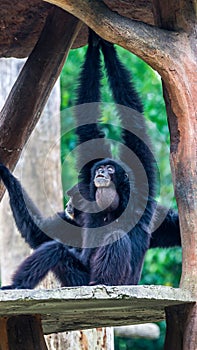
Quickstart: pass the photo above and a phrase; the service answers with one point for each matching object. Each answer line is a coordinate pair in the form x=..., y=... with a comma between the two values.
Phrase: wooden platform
x=88, y=307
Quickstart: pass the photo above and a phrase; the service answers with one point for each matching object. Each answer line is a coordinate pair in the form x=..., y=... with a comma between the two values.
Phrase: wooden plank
x=92, y=306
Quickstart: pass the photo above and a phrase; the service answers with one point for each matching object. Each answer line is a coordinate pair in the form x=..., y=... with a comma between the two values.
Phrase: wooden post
x=180, y=94
x=181, y=327
x=21, y=332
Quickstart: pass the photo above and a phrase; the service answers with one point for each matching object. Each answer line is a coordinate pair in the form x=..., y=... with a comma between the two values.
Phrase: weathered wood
x=181, y=109
x=90, y=307
x=31, y=90
x=181, y=327
x=148, y=42
x=174, y=14
x=22, y=22
x=21, y=333
x=152, y=44
x=180, y=94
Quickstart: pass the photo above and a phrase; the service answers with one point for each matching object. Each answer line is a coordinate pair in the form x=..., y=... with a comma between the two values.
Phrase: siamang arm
x=27, y=216
x=88, y=92
x=168, y=233
x=125, y=95
x=119, y=77
x=87, y=111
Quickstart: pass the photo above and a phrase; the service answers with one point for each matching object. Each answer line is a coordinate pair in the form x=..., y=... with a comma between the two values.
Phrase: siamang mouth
x=102, y=181
x=100, y=175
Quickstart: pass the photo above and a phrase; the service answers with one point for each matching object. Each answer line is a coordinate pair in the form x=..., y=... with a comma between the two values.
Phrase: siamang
x=113, y=206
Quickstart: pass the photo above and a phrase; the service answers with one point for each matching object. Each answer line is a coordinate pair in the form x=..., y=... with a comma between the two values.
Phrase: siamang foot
x=11, y=286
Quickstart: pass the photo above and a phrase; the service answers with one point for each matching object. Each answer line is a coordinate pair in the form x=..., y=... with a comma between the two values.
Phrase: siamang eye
x=99, y=169
x=111, y=169
x=126, y=176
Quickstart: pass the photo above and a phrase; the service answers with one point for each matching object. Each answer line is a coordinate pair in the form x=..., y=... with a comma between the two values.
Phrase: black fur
x=114, y=242
x=27, y=222
x=168, y=233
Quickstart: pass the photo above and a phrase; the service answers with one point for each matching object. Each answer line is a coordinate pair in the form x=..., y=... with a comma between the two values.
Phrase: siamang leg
x=50, y=256
x=110, y=264
x=77, y=274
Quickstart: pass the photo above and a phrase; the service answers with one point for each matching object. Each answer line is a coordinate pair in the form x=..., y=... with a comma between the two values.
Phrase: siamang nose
x=103, y=172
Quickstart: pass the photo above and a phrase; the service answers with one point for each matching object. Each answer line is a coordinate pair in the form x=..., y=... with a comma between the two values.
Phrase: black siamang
x=112, y=207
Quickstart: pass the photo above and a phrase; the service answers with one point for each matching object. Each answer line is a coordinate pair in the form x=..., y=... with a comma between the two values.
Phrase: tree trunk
x=91, y=339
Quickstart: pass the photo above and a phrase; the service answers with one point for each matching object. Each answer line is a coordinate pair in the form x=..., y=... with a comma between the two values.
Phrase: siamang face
x=103, y=175
x=108, y=180
x=109, y=187
x=107, y=172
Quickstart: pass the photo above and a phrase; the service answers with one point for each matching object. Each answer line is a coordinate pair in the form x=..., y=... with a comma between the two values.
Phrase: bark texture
x=181, y=327
x=21, y=332
x=21, y=22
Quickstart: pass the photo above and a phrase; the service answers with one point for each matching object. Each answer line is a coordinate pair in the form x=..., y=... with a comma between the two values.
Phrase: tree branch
x=150, y=43
x=175, y=14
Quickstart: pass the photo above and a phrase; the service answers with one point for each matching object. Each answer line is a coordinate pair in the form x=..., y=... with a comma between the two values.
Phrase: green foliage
x=161, y=266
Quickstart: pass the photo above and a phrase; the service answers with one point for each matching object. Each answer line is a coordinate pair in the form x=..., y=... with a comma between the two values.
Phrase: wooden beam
x=29, y=94
x=21, y=332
